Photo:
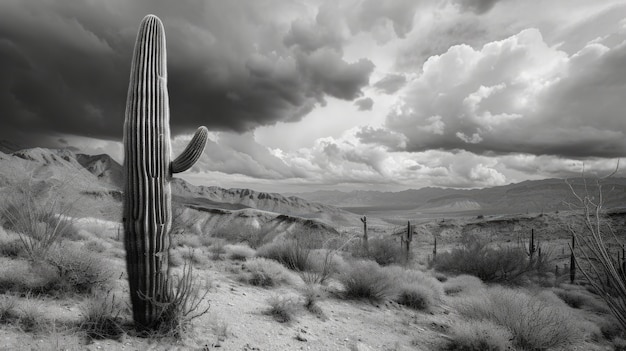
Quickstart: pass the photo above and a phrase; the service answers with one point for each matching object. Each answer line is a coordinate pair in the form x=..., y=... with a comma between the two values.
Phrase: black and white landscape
x=378, y=175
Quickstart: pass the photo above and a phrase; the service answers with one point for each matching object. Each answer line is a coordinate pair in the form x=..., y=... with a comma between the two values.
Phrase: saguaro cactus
x=148, y=171
x=366, y=246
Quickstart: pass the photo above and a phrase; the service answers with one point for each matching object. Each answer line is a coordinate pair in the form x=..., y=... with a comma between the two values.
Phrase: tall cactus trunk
x=148, y=172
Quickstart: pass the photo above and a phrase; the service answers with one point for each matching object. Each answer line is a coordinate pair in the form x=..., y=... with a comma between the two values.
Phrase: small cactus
x=572, y=261
x=365, y=239
x=147, y=213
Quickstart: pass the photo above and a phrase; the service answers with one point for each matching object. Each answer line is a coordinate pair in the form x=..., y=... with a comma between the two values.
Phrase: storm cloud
x=65, y=65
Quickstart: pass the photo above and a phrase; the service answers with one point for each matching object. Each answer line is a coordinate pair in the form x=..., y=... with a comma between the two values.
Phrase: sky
x=334, y=95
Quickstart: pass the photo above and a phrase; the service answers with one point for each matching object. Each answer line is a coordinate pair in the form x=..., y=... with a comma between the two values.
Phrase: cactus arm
x=192, y=152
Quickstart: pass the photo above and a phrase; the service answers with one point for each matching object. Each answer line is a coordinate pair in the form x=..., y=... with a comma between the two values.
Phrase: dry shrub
x=384, y=251
x=581, y=299
x=463, y=283
x=8, y=309
x=217, y=247
x=38, y=221
x=508, y=265
x=75, y=271
x=239, y=252
x=283, y=309
x=312, y=293
x=187, y=240
x=478, y=336
x=366, y=280
x=414, y=289
x=292, y=253
x=181, y=304
x=196, y=257
x=95, y=246
x=537, y=321
x=267, y=273
x=102, y=317
x=322, y=265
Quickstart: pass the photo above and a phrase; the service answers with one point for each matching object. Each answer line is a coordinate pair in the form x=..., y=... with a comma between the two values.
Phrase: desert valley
x=232, y=238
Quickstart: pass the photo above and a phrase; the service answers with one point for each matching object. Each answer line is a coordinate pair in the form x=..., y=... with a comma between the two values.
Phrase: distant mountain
x=103, y=167
x=94, y=183
x=527, y=196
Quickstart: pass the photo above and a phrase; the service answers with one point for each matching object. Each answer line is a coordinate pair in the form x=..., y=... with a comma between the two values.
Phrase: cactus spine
x=148, y=171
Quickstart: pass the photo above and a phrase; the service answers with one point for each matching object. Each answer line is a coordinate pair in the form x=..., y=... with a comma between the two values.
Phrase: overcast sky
x=341, y=94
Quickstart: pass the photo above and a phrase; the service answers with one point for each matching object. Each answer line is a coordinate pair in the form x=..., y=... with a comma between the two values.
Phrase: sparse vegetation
x=292, y=253
x=366, y=280
x=508, y=264
x=535, y=321
x=239, y=252
x=282, y=309
x=383, y=251
x=102, y=317
x=267, y=273
x=482, y=335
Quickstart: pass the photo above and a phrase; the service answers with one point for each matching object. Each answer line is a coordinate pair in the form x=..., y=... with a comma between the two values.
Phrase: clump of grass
x=282, y=309
x=383, y=251
x=95, y=246
x=181, y=305
x=196, y=257
x=267, y=273
x=322, y=265
x=39, y=222
x=462, y=283
x=537, y=322
x=414, y=289
x=239, y=252
x=217, y=248
x=312, y=295
x=366, y=280
x=75, y=271
x=101, y=317
x=293, y=253
x=478, y=336
x=12, y=248
x=31, y=319
x=8, y=309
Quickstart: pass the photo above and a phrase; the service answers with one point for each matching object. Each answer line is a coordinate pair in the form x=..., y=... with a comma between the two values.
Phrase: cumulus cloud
x=364, y=104
x=517, y=95
x=477, y=6
x=65, y=66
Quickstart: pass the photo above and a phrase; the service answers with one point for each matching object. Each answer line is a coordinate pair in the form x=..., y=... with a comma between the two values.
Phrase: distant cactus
x=148, y=172
x=365, y=239
x=407, y=240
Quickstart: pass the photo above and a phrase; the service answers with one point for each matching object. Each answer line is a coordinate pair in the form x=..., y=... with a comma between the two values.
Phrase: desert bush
x=414, y=296
x=462, y=283
x=12, y=248
x=95, y=246
x=217, y=248
x=8, y=309
x=31, y=319
x=366, y=280
x=321, y=266
x=383, y=251
x=188, y=240
x=101, y=317
x=39, y=223
x=236, y=233
x=478, y=336
x=239, y=252
x=292, y=253
x=282, y=308
x=195, y=257
x=535, y=321
x=267, y=273
x=508, y=264
x=72, y=270
x=181, y=304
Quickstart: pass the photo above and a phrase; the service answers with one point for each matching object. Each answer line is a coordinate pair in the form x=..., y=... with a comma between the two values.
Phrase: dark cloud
x=477, y=6
x=232, y=66
x=391, y=83
x=364, y=104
